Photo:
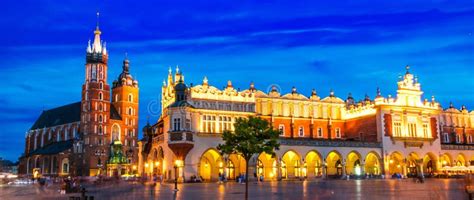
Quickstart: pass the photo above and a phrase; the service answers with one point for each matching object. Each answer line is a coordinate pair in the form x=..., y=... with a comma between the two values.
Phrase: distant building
x=320, y=137
x=97, y=135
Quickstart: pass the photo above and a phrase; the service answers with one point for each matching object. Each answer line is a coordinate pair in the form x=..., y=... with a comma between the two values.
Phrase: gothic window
x=116, y=98
x=100, y=142
x=130, y=111
x=100, y=118
x=338, y=132
x=101, y=86
x=281, y=128
x=100, y=96
x=301, y=131
x=130, y=97
x=100, y=130
x=115, y=132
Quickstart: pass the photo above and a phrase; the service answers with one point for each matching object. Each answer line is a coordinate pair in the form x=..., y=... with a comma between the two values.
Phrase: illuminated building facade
x=95, y=136
x=320, y=137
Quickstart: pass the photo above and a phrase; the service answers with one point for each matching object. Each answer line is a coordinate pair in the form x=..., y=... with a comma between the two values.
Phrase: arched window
x=115, y=132
x=100, y=130
x=100, y=118
x=101, y=108
x=130, y=111
x=458, y=138
x=101, y=86
x=130, y=97
x=116, y=98
x=100, y=96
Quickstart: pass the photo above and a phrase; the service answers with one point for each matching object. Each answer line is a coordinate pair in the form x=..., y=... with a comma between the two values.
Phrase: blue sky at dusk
x=352, y=46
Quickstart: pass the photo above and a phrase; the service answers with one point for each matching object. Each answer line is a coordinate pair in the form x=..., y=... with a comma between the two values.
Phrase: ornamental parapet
x=329, y=143
x=457, y=146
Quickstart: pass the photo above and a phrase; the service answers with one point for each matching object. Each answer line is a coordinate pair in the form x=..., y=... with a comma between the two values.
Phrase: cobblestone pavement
x=318, y=189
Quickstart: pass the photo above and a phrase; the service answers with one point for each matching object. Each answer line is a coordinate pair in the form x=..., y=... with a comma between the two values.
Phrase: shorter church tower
x=125, y=101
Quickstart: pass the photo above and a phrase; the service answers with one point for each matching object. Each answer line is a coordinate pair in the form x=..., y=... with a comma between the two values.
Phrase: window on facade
x=100, y=118
x=100, y=142
x=458, y=138
x=99, y=161
x=115, y=132
x=338, y=132
x=281, y=128
x=301, y=131
x=58, y=136
x=397, y=129
x=411, y=129
x=176, y=124
x=101, y=86
x=469, y=139
x=425, y=130
x=116, y=98
x=66, y=134
x=100, y=96
x=209, y=123
x=130, y=98
x=130, y=111
x=100, y=130
x=320, y=132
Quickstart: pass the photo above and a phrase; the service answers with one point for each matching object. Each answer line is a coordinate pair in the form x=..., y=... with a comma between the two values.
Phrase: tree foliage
x=252, y=136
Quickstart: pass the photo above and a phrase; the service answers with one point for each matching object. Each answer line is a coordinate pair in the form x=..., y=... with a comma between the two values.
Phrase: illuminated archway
x=395, y=163
x=353, y=163
x=412, y=164
x=313, y=164
x=445, y=160
x=267, y=166
x=211, y=165
x=429, y=164
x=115, y=133
x=372, y=164
x=65, y=166
x=235, y=166
x=291, y=164
x=334, y=163
x=460, y=160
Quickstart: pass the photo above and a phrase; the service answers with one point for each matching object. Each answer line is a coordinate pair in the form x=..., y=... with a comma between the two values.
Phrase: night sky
x=349, y=47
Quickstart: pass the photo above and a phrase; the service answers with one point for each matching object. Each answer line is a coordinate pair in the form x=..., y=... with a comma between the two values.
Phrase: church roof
x=114, y=113
x=61, y=115
x=53, y=148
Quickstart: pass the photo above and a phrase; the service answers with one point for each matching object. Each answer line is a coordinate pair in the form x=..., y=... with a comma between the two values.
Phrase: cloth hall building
x=320, y=136
x=95, y=136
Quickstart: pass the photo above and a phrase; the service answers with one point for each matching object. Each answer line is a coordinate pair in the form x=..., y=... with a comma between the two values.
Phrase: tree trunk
x=247, y=179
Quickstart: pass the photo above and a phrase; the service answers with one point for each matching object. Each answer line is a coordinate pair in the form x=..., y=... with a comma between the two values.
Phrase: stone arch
x=334, y=163
x=429, y=163
x=210, y=165
x=395, y=163
x=291, y=164
x=446, y=160
x=234, y=166
x=372, y=163
x=313, y=164
x=412, y=166
x=353, y=163
x=267, y=165
x=460, y=160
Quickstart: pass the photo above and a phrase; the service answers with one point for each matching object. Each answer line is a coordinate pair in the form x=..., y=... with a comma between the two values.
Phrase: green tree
x=252, y=136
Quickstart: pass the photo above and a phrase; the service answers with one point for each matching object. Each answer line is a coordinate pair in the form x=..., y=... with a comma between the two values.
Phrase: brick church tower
x=95, y=107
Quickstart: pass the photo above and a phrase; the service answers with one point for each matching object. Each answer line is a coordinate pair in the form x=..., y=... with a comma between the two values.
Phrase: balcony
x=180, y=137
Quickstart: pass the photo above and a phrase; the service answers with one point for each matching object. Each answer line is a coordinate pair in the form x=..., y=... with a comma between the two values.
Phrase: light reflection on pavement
x=318, y=189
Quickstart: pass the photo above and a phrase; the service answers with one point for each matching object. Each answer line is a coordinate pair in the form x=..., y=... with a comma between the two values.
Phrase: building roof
x=61, y=115
x=53, y=148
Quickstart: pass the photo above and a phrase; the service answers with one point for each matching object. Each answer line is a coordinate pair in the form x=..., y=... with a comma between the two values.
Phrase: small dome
x=180, y=87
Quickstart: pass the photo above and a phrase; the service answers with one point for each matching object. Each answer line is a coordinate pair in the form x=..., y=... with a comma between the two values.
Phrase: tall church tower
x=95, y=113
x=125, y=101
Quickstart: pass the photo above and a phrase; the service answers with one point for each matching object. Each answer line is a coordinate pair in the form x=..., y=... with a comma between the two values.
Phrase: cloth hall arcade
x=320, y=136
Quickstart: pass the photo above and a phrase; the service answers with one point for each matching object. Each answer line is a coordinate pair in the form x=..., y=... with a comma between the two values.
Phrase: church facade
x=320, y=137
x=95, y=136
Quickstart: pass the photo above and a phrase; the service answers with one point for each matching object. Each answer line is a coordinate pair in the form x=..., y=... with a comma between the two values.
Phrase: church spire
x=97, y=45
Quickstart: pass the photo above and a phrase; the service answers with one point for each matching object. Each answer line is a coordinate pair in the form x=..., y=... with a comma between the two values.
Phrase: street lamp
x=177, y=163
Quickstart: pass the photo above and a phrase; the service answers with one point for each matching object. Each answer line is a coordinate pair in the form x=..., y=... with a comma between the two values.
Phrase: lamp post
x=176, y=165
